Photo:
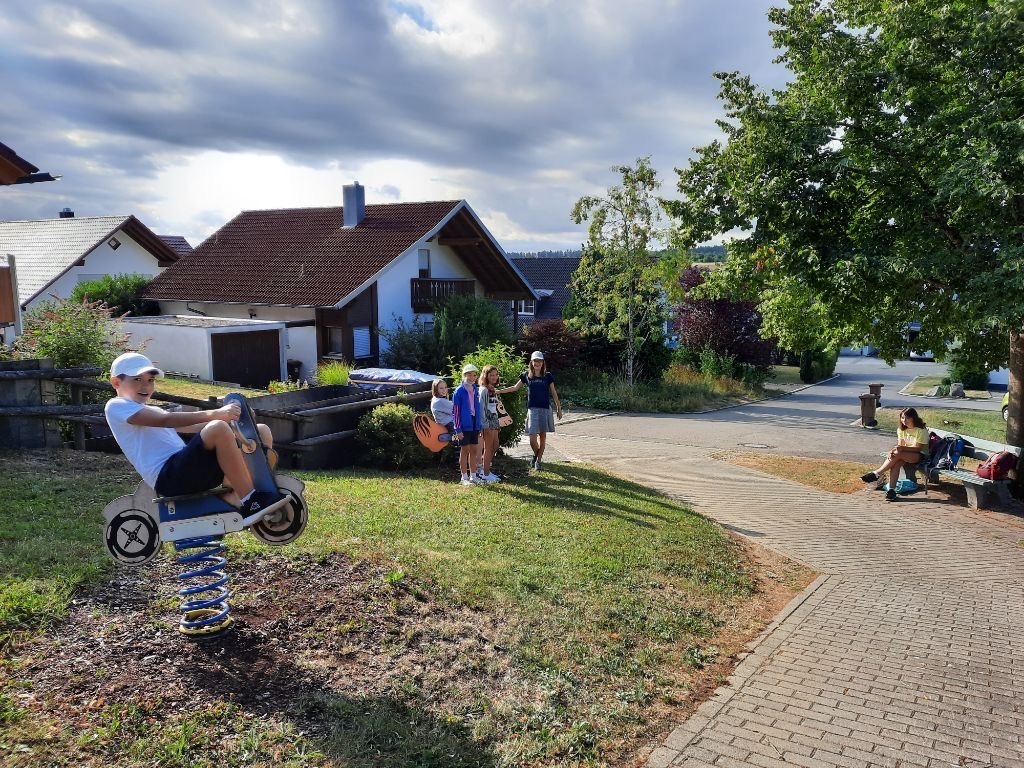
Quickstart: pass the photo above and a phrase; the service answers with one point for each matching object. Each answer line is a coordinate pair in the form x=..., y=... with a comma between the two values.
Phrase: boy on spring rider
x=149, y=438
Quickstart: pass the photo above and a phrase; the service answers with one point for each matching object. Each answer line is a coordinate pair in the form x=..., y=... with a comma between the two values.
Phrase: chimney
x=67, y=213
x=354, y=200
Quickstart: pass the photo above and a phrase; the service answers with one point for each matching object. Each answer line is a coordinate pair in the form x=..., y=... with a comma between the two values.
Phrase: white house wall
x=394, y=289
x=173, y=348
x=129, y=258
x=299, y=343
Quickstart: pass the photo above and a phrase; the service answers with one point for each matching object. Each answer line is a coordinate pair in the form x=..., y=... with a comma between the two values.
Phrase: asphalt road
x=817, y=421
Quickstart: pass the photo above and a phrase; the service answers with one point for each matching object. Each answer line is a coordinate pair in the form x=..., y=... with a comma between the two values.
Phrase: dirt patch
x=825, y=474
x=301, y=625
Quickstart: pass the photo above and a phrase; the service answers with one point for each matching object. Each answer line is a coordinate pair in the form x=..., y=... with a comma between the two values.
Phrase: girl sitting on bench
x=911, y=445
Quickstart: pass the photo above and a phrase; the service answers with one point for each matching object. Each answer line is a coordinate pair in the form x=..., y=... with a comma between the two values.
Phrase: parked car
x=1006, y=407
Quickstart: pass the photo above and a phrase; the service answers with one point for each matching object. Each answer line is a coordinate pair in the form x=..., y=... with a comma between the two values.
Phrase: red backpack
x=997, y=466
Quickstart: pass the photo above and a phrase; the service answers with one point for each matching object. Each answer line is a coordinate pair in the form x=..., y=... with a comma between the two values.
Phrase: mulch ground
x=315, y=628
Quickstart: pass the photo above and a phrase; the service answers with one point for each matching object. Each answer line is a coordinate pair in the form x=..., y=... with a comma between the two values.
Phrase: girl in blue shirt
x=468, y=421
x=539, y=420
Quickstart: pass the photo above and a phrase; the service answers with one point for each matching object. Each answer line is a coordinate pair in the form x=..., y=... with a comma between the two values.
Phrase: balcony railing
x=428, y=293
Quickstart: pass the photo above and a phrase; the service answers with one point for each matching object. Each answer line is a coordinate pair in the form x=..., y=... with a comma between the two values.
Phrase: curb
x=757, y=653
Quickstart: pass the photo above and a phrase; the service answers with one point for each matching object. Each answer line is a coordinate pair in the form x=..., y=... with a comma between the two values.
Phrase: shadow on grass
x=576, y=489
x=359, y=731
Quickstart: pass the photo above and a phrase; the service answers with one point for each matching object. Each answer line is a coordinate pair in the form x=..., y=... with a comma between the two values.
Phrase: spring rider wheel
x=285, y=525
x=131, y=535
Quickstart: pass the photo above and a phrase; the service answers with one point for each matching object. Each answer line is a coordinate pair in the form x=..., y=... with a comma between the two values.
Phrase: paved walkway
x=907, y=651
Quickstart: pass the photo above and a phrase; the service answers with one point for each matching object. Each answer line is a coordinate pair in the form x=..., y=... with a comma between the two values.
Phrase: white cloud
x=518, y=106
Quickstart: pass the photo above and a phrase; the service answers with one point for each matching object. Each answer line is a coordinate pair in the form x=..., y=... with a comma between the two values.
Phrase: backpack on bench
x=997, y=466
x=946, y=452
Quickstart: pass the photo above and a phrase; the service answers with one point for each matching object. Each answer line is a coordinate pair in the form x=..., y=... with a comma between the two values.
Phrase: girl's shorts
x=193, y=469
x=471, y=437
x=539, y=420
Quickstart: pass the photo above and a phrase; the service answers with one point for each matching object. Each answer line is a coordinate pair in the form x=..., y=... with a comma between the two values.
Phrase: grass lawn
x=785, y=376
x=988, y=425
x=173, y=385
x=561, y=618
x=921, y=385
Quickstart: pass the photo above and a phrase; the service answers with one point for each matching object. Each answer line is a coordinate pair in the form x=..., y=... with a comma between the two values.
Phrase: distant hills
x=700, y=253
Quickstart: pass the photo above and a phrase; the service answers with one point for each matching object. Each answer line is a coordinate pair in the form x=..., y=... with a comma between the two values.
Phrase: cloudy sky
x=186, y=117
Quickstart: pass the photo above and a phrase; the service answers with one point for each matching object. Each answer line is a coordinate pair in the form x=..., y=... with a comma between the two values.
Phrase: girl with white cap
x=541, y=391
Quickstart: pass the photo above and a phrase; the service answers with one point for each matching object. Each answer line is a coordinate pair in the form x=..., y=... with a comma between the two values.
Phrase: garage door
x=250, y=359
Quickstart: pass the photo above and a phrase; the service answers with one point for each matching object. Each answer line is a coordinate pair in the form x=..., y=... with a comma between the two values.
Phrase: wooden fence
x=29, y=412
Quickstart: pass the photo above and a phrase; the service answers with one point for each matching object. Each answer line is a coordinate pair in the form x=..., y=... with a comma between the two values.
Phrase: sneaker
x=466, y=481
x=890, y=495
x=490, y=477
x=536, y=465
x=870, y=477
x=478, y=478
x=533, y=461
x=263, y=501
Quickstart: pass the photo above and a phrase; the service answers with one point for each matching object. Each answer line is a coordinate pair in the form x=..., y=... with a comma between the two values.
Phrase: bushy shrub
x=561, y=345
x=729, y=328
x=712, y=365
x=333, y=372
x=412, y=347
x=72, y=335
x=510, y=365
x=121, y=293
x=387, y=439
x=276, y=387
x=817, y=364
x=461, y=324
x=466, y=323
x=652, y=358
x=970, y=377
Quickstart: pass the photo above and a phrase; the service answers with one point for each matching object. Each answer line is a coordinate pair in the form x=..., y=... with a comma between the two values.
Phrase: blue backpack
x=947, y=453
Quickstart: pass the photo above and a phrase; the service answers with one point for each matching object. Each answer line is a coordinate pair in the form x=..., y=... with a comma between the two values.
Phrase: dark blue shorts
x=193, y=469
x=471, y=437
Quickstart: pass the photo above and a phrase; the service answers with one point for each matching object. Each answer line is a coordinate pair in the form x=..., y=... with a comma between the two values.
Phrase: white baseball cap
x=133, y=364
x=538, y=355
x=469, y=368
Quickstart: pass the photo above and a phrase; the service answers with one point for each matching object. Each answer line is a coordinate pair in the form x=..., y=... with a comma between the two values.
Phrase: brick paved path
x=907, y=651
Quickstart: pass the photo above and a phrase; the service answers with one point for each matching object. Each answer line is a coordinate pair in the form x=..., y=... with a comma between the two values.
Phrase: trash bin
x=876, y=390
x=294, y=370
x=868, y=403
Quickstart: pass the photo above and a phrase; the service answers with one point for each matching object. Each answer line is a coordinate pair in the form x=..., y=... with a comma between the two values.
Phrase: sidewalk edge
x=755, y=655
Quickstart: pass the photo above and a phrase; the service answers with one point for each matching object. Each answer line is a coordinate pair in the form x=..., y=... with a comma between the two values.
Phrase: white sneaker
x=466, y=481
x=490, y=477
x=478, y=479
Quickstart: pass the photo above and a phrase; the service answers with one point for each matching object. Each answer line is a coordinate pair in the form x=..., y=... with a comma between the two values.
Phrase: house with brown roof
x=334, y=276
x=14, y=169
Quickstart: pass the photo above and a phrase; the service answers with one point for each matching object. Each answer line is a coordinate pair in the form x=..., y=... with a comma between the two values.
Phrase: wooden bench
x=978, y=488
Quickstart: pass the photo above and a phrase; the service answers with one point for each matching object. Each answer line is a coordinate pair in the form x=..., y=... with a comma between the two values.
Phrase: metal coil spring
x=205, y=609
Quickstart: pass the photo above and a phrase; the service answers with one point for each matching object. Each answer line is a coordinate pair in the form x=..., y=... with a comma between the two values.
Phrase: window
x=424, y=262
x=335, y=340
x=527, y=307
x=361, y=342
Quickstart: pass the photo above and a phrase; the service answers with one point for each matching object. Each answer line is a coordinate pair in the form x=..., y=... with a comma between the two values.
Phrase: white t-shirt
x=147, y=448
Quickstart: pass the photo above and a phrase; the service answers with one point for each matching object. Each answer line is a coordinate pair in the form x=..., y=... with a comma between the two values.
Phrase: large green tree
x=616, y=290
x=884, y=184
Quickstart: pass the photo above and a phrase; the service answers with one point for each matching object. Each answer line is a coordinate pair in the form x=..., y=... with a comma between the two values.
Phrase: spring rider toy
x=136, y=525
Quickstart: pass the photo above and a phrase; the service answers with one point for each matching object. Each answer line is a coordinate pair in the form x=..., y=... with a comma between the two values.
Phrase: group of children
x=149, y=436
x=472, y=415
